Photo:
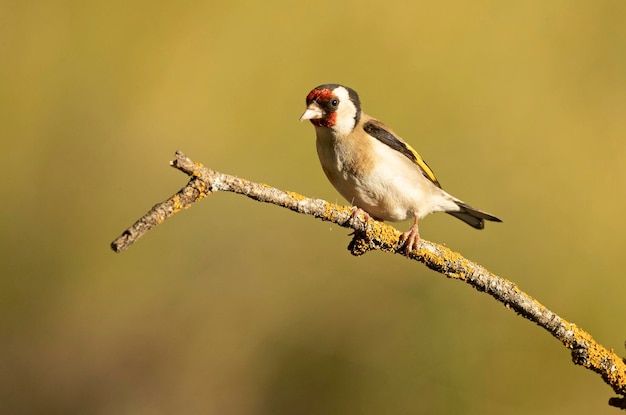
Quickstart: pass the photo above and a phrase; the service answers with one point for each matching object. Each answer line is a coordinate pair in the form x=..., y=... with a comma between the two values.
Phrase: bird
x=374, y=169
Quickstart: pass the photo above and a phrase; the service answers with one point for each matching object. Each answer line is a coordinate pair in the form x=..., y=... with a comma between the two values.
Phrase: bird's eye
x=334, y=102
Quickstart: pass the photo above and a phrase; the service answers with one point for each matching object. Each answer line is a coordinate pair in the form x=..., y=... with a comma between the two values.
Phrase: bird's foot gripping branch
x=374, y=235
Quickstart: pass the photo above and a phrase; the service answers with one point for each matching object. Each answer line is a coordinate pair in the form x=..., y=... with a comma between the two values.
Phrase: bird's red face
x=334, y=107
x=321, y=108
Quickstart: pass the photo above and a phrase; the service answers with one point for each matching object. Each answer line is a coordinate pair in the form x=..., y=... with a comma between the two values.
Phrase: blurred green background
x=235, y=307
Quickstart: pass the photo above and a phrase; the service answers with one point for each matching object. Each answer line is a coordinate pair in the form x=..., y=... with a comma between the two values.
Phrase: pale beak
x=313, y=112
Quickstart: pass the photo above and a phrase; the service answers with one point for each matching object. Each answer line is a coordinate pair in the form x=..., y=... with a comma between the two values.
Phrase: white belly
x=380, y=180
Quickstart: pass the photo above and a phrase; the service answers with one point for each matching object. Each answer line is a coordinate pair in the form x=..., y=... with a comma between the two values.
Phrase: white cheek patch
x=346, y=112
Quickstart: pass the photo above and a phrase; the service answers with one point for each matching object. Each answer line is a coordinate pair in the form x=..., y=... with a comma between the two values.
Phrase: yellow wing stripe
x=420, y=162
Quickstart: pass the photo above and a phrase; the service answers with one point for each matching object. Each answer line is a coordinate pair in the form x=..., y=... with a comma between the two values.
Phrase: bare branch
x=374, y=235
x=195, y=190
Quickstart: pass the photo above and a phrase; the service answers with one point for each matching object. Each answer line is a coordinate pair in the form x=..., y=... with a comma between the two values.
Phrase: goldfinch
x=375, y=169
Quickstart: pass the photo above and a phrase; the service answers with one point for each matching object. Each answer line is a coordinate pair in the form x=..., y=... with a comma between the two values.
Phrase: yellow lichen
x=177, y=204
x=202, y=189
x=295, y=196
x=598, y=357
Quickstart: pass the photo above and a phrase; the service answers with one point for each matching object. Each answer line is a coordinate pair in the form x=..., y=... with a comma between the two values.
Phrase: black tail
x=473, y=217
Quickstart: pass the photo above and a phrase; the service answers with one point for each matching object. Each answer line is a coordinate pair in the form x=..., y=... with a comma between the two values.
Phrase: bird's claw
x=410, y=239
x=355, y=211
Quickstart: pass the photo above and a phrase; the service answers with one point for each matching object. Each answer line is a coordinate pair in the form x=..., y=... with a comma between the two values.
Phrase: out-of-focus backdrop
x=235, y=307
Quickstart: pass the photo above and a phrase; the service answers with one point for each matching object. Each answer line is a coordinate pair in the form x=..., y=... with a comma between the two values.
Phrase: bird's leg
x=357, y=210
x=411, y=237
x=360, y=243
